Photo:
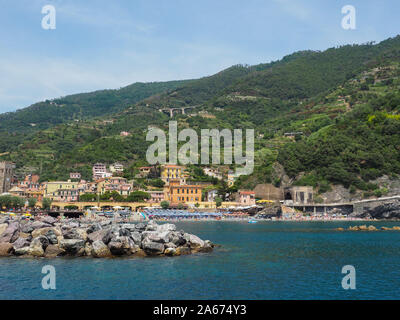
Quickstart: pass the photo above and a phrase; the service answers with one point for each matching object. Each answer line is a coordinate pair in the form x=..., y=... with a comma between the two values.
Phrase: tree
x=218, y=201
x=46, y=203
x=87, y=197
x=181, y=206
x=32, y=202
x=138, y=196
x=158, y=183
x=164, y=204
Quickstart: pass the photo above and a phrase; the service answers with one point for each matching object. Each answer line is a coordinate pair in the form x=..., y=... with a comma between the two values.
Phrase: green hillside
x=344, y=100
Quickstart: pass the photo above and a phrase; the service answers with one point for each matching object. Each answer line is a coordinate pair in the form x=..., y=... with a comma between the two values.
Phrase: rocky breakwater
x=51, y=238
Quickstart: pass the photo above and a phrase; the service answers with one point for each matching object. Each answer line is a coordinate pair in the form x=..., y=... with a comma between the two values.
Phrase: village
x=108, y=188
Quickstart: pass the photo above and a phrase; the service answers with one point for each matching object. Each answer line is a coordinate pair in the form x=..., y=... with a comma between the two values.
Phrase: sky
x=103, y=44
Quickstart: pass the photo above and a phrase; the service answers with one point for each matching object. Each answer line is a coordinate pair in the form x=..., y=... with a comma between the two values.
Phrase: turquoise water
x=267, y=260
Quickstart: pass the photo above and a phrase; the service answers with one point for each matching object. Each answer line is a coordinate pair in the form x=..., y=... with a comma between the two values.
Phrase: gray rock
x=51, y=235
x=72, y=246
x=140, y=226
x=26, y=227
x=166, y=227
x=177, y=238
x=20, y=243
x=22, y=251
x=124, y=232
x=100, y=250
x=39, y=225
x=97, y=235
x=76, y=233
x=152, y=248
x=136, y=237
x=49, y=220
x=194, y=241
x=93, y=228
x=11, y=233
x=122, y=245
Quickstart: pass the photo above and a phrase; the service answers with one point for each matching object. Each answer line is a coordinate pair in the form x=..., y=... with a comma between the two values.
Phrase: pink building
x=156, y=196
x=247, y=198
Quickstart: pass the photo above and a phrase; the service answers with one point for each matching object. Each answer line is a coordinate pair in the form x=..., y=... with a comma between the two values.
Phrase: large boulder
x=20, y=243
x=140, y=226
x=52, y=236
x=39, y=225
x=75, y=233
x=3, y=227
x=152, y=248
x=26, y=227
x=161, y=237
x=123, y=232
x=151, y=226
x=100, y=250
x=93, y=228
x=44, y=231
x=177, y=238
x=5, y=249
x=49, y=220
x=130, y=226
x=122, y=245
x=136, y=237
x=11, y=233
x=22, y=251
x=166, y=227
x=97, y=235
x=53, y=251
x=194, y=241
x=38, y=246
x=72, y=246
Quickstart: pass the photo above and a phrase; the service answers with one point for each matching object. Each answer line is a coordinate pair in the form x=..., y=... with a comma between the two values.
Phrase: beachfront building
x=211, y=195
x=176, y=193
x=6, y=175
x=116, y=168
x=171, y=172
x=246, y=198
x=156, y=196
x=111, y=184
x=66, y=191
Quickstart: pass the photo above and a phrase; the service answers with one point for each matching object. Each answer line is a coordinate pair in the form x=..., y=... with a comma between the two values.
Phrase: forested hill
x=344, y=100
x=45, y=114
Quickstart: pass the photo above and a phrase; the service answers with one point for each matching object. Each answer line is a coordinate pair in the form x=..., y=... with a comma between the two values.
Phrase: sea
x=266, y=260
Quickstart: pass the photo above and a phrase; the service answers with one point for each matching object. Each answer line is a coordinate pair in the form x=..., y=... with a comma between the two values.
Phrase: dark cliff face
x=385, y=211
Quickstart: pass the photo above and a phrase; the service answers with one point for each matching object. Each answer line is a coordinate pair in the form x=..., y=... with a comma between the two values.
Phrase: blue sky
x=100, y=44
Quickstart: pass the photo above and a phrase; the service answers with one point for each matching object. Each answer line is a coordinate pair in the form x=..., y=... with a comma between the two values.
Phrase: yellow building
x=61, y=190
x=173, y=172
x=178, y=193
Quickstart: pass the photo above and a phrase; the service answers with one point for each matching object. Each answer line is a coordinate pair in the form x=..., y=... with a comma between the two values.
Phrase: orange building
x=177, y=193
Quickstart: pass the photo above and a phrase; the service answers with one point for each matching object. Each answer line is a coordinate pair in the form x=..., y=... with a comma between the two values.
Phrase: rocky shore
x=49, y=237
